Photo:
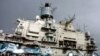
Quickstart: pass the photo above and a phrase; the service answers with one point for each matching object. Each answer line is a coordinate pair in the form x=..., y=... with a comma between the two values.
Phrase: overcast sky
x=87, y=12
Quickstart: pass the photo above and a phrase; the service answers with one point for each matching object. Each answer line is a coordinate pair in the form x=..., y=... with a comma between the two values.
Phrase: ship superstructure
x=44, y=37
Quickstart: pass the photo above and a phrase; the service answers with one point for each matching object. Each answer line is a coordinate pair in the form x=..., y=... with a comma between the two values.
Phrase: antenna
x=78, y=29
x=70, y=20
x=84, y=27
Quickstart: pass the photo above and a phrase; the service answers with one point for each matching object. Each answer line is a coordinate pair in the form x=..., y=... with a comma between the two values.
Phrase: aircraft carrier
x=44, y=37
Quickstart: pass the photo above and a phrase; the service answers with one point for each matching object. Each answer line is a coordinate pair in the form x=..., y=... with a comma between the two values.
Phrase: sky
x=87, y=13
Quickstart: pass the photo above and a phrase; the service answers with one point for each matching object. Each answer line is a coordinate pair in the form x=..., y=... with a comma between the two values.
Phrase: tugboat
x=44, y=37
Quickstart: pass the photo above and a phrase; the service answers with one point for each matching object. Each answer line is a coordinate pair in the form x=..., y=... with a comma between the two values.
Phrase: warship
x=44, y=37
